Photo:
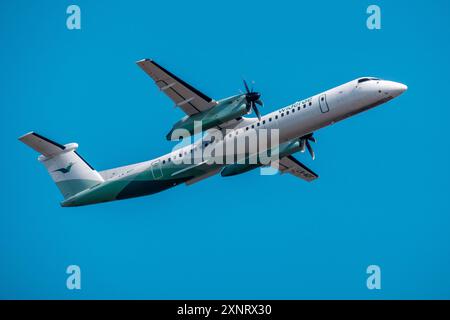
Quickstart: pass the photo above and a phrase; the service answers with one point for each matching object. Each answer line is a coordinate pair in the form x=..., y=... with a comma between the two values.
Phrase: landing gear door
x=323, y=103
x=156, y=169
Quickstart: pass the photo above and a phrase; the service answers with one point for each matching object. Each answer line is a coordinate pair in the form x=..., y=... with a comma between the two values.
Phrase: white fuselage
x=333, y=105
x=293, y=121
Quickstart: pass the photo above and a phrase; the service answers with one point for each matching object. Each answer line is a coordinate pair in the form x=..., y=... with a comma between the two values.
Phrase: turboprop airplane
x=80, y=184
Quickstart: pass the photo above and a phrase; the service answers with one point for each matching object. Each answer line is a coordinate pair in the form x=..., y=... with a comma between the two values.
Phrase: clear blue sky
x=382, y=197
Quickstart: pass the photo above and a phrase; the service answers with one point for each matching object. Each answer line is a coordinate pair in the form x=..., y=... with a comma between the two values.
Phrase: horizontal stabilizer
x=42, y=144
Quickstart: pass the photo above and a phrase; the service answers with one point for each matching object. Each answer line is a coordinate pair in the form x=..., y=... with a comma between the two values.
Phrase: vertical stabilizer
x=71, y=173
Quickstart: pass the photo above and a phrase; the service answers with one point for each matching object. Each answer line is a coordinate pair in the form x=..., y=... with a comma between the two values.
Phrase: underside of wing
x=291, y=165
x=189, y=99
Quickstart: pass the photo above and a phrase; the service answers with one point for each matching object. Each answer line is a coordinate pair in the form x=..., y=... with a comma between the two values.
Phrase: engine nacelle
x=226, y=110
x=283, y=150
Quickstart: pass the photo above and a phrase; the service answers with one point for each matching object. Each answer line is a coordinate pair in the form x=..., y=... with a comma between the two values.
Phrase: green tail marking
x=66, y=169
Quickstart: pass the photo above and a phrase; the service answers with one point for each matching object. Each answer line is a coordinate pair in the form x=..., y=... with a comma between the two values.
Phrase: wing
x=291, y=165
x=189, y=99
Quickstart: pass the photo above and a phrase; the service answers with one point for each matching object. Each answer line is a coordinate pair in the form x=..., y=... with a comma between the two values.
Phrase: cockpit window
x=366, y=79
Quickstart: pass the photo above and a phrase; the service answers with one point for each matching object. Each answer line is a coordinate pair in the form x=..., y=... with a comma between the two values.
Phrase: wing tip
x=144, y=60
x=25, y=135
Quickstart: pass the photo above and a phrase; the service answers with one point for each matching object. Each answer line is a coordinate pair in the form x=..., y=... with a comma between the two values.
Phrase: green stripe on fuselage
x=139, y=184
x=73, y=186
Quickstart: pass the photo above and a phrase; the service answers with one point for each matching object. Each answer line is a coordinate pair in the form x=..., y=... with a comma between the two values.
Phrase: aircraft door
x=156, y=169
x=323, y=103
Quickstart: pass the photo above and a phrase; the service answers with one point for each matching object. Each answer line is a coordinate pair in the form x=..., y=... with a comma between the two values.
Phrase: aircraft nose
x=397, y=88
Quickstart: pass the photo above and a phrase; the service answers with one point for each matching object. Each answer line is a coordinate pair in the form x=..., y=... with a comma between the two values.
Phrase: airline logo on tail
x=66, y=169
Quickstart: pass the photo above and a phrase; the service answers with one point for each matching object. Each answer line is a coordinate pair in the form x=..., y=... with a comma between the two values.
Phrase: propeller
x=304, y=144
x=253, y=99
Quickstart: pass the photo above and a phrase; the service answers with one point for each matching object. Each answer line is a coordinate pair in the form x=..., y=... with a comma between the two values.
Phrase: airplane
x=80, y=184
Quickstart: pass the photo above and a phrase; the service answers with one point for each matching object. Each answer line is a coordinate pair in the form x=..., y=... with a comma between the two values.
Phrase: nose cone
x=397, y=88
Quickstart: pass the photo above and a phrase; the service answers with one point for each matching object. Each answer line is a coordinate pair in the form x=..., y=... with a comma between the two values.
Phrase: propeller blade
x=246, y=86
x=302, y=145
x=310, y=149
x=252, y=99
x=255, y=108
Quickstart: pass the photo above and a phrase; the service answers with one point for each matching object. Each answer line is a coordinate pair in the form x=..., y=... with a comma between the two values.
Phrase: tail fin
x=71, y=173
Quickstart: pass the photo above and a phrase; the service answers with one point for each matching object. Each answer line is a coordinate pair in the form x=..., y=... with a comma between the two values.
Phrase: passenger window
x=253, y=126
x=276, y=117
x=270, y=119
x=282, y=114
x=287, y=112
x=310, y=103
x=257, y=124
x=264, y=121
